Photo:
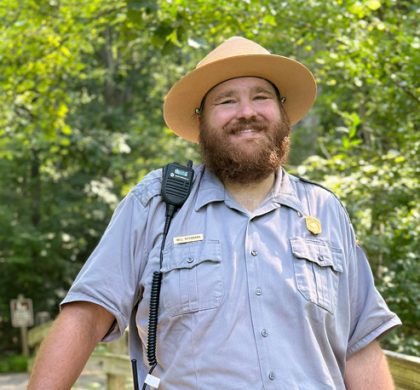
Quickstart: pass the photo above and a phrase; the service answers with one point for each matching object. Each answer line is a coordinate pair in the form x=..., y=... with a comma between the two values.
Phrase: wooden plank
x=110, y=363
x=115, y=382
x=37, y=334
x=405, y=370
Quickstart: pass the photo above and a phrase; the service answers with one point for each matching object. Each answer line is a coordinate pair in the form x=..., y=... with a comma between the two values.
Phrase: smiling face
x=239, y=108
x=244, y=130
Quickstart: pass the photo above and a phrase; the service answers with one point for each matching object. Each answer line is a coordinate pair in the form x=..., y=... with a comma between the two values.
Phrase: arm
x=368, y=369
x=66, y=349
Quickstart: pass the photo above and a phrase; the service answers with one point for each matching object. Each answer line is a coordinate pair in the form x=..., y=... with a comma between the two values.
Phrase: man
x=263, y=284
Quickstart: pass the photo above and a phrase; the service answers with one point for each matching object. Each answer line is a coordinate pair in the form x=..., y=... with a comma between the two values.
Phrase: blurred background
x=81, y=91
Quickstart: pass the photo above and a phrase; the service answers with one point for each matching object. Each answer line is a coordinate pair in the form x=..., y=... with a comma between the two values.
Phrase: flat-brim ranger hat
x=237, y=57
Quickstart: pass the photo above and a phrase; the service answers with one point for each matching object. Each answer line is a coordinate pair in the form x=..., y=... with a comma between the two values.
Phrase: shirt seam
x=374, y=334
x=82, y=297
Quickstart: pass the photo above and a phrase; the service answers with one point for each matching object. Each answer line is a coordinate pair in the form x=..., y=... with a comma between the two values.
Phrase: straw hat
x=237, y=57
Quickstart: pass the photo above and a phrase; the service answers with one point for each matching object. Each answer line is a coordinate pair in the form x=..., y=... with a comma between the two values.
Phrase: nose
x=246, y=110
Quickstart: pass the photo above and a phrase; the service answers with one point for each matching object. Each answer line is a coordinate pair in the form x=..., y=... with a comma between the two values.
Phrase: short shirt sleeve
x=109, y=278
x=371, y=317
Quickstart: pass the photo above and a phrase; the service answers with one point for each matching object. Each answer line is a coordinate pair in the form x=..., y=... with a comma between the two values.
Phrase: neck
x=251, y=195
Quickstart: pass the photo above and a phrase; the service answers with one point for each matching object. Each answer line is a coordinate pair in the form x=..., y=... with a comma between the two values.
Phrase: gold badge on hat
x=313, y=225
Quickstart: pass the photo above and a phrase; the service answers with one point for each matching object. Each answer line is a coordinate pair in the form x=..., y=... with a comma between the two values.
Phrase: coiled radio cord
x=154, y=298
x=153, y=319
x=177, y=181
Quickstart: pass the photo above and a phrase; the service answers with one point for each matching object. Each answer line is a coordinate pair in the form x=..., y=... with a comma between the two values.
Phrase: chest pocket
x=317, y=266
x=192, y=277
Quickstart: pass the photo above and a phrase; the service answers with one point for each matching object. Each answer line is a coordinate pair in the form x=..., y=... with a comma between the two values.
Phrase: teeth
x=247, y=130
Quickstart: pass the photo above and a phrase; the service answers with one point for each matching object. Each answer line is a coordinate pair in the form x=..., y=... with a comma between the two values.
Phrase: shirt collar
x=212, y=190
x=284, y=192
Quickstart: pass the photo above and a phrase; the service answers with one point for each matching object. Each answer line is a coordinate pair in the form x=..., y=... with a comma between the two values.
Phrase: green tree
x=82, y=89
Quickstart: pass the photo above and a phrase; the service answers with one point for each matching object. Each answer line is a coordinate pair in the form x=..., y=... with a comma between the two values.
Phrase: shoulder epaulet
x=148, y=187
x=303, y=179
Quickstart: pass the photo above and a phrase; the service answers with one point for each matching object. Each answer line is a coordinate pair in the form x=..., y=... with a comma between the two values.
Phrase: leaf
x=66, y=130
x=373, y=4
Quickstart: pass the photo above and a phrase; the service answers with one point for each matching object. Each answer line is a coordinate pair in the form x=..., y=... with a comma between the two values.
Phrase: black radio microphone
x=176, y=186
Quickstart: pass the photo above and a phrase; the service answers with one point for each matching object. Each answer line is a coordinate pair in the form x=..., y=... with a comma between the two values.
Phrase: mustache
x=244, y=124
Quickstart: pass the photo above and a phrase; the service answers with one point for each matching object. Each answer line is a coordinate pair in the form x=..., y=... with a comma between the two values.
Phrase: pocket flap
x=191, y=254
x=317, y=251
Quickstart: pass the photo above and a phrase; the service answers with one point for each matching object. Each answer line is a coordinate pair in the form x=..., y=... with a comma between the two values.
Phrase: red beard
x=230, y=162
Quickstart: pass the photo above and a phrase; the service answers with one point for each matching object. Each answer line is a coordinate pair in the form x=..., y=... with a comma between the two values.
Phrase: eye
x=225, y=101
x=261, y=97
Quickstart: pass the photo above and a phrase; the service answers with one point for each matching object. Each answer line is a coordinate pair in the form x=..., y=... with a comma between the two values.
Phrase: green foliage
x=13, y=363
x=81, y=122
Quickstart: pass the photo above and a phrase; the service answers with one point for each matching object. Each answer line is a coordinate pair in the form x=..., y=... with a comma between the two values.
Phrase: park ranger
x=261, y=282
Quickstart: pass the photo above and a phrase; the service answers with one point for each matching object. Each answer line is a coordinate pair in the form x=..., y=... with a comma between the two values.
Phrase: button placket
x=255, y=290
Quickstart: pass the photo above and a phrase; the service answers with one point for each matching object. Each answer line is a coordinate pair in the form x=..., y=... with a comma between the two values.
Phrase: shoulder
x=310, y=186
x=314, y=186
x=148, y=188
x=316, y=193
x=323, y=203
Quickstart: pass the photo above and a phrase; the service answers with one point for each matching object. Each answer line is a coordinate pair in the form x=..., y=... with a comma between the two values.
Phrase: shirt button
x=258, y=291
x=271, y=376
x=254, y=253
x=264, y=333
x=190, y=260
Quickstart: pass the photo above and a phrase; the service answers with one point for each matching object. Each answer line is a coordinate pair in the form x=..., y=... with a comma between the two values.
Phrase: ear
x=198, y=115
x=197, y=112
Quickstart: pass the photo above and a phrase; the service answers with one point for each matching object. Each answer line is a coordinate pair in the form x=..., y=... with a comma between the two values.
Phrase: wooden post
x=118, y=347
x=22, y=317
x=24, y=340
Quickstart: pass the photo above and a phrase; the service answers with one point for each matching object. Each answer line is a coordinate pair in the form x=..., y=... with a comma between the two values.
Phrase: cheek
x=219, y=116
x=273, y=113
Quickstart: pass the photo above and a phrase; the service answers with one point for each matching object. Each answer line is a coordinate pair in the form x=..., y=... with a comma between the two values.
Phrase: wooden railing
x=111, y=359
x=108, y=359
x=405, y=370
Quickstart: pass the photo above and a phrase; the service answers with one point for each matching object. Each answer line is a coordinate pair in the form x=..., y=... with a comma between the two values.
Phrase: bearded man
x=261, y=285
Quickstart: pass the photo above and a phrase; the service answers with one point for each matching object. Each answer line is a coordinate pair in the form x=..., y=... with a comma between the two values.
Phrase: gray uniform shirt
x=249, y=300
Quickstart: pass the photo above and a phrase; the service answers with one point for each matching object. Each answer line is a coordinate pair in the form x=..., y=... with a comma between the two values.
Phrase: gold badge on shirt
x=313, y=225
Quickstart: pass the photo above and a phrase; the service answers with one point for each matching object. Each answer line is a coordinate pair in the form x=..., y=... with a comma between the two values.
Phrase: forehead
x=239, y=84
